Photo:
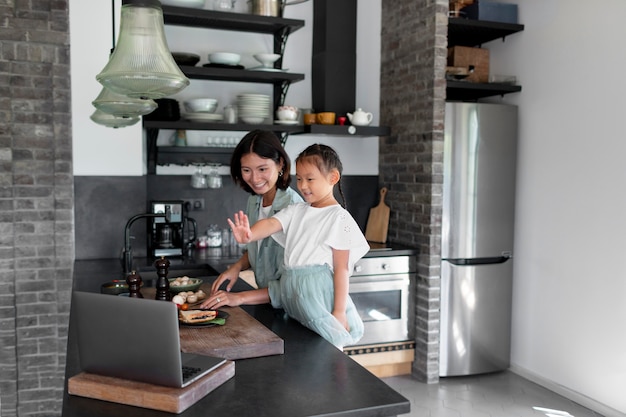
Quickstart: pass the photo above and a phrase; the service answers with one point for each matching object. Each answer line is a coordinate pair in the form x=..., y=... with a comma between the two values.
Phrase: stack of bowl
x=202, y=110
x=253, y=108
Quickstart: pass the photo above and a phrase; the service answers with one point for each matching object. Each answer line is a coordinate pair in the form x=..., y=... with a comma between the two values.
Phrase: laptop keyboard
x=189, y=372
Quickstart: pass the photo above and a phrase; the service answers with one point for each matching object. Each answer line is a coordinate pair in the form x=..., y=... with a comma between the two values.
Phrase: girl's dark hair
x=265, y=144
x=326, y=159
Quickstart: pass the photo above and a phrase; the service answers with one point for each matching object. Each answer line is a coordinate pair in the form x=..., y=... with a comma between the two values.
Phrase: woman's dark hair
x=265, y=144
x=325, y=159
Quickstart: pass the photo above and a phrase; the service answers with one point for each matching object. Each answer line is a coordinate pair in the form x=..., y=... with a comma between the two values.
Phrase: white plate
x=269, y=69
x=253, y=120
x=286, y=122
x=204, y=117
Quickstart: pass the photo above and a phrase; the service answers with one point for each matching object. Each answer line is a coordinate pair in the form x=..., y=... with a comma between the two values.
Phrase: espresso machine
x=166, y=238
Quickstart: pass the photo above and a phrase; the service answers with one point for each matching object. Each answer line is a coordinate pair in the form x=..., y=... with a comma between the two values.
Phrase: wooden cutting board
x=378, y=221
x=141, y=394
x=241, y=337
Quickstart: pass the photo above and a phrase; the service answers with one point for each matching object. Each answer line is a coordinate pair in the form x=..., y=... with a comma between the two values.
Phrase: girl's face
x=261, y=174
x=316, y=187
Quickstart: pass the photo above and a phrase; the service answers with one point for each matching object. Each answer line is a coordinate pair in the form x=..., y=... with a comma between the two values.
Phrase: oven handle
x=370, y=286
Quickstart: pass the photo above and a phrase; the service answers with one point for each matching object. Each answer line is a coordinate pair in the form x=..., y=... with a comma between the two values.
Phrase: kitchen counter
x=311, y=378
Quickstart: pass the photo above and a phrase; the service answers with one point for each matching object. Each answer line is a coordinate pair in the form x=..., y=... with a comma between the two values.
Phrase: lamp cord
x=113, y=25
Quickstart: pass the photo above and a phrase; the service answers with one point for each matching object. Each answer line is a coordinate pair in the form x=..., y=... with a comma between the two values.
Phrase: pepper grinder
x=134, y=285
x=162, y=284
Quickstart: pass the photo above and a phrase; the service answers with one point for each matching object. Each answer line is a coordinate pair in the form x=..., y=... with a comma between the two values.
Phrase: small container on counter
x=214, y=236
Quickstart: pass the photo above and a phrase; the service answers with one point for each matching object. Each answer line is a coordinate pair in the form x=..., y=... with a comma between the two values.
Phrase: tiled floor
x=502, y=394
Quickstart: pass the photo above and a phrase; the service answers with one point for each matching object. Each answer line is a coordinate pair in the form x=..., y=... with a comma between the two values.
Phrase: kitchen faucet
x=127, y=259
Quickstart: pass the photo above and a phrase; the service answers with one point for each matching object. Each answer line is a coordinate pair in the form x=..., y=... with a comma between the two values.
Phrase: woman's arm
x=233, y=299
x=341, y=285
x=243, y=233
x=231, y=274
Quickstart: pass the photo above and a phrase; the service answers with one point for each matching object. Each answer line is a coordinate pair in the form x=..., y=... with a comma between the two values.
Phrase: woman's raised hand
x=240, y=227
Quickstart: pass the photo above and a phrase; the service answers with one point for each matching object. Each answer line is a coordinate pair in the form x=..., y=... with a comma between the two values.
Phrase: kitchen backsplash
x=104, y=205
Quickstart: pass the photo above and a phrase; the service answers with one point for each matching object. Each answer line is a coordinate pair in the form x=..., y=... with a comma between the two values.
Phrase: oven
x=381, y=288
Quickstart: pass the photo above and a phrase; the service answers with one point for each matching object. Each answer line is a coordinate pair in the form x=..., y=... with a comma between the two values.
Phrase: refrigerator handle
x=478, y=261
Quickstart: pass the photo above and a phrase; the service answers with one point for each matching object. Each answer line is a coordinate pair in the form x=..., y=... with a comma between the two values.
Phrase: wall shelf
x=240, y=22
x=347, y=130
x=468, y=32
x=468, y=91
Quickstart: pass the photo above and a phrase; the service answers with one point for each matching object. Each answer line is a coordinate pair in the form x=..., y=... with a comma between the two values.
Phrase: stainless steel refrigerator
x=477, y=238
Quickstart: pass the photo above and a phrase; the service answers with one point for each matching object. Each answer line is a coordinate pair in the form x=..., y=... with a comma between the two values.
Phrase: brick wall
x=413, y=60
x=36, y=206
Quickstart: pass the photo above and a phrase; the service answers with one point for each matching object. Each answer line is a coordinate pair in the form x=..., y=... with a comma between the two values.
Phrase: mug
x=326, y=118
x=309, y=118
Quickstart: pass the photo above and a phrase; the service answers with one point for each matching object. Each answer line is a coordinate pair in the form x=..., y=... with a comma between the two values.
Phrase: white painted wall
x=570, y=284
x=104, y=151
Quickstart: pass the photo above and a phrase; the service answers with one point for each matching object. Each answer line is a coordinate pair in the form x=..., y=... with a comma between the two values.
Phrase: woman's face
x=259, y=173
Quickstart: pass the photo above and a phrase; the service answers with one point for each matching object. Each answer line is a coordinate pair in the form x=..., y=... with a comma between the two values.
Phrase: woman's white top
x=310, y=234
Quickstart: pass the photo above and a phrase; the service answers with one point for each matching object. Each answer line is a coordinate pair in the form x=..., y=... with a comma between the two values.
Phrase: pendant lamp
x=109, y=120
x=142, y=65
x=121, y=105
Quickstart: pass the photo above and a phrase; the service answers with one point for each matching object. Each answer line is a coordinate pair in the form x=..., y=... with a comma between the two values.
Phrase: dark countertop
x=311, y=378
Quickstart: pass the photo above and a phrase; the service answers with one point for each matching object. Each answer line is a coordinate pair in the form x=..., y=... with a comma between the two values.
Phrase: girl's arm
x=341, y=285
x=261, y=229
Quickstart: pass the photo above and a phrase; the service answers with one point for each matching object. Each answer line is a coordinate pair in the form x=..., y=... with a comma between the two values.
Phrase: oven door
x=383, y=304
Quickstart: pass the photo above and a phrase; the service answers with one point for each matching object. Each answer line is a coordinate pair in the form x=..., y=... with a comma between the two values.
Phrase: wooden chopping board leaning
x=378, y=221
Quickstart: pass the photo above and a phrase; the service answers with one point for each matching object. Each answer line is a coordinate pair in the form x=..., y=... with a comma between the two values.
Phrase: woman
x=261, y=167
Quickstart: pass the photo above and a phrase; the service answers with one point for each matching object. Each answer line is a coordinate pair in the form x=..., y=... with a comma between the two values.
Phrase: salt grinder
x=162, y=284
x=134, y=285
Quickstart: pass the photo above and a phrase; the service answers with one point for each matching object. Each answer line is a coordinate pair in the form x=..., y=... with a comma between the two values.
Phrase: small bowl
x=184, y=58
x=114, y=287
x=285, y=113
x=267, y=59
x=194, y=284
x=326, y=118
x=224, y=58
x=200, y=105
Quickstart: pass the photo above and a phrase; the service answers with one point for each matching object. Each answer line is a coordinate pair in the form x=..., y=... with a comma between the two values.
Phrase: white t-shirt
x=310, y=234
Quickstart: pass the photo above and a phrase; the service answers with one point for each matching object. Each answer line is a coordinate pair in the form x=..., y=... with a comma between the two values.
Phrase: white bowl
x=201, y=105
x=267, y=59
x=287, y=114
x=224, y=58
x=197, y=138
x=194, y=4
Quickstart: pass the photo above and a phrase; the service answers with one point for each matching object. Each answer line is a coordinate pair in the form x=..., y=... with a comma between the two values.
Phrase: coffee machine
x=166, y=238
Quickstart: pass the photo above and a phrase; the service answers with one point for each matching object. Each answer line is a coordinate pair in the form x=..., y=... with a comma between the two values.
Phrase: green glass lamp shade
x=142, y=65
x=108, y=120
x=121, y=105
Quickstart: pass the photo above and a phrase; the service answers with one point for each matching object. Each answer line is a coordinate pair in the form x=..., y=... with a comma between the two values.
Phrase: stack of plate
x=253, y=108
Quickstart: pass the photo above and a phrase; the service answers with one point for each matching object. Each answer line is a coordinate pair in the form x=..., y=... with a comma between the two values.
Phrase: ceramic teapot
x=360, y=118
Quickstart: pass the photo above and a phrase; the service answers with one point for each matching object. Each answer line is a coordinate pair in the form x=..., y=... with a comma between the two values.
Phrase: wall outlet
x=195, y=204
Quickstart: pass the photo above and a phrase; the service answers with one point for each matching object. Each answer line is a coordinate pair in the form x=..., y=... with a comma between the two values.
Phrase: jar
x=214, y=236
x=202, y=242
x=214, y=179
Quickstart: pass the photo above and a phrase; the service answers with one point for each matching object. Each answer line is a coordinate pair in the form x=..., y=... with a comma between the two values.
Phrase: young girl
x=322, y=243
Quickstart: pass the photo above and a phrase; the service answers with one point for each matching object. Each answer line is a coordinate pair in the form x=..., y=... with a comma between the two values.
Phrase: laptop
x=136, y=339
